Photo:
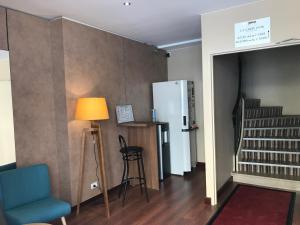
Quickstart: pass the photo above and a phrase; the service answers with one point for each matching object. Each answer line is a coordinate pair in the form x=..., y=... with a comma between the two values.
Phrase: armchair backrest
x=10, y=166
x=122, y=142
x=2, y=217
x=24, y=185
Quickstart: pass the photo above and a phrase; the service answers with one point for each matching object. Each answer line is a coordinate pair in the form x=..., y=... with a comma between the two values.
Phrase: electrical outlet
x=94, y=185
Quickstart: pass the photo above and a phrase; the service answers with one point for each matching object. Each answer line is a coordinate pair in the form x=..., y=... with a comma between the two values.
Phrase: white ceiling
x=156, y=22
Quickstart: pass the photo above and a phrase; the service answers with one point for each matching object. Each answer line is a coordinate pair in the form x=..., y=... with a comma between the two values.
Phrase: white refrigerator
x=174, y=102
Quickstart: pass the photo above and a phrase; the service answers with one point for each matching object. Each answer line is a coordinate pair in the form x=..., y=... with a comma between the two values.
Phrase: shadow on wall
x=226, y=78
x=272, y=75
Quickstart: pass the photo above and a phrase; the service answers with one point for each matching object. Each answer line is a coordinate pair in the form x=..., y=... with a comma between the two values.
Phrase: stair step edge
x=265, y=107
x=270, y=139
x=274, y=117
x=272, y=151
x=263, y=163
x=271, y=128
x=271, y=177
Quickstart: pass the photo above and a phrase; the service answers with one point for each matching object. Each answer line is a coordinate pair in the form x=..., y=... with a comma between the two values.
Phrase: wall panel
x=143, y=65
x=186, y=63
x=3, y=33
x=61, y=120
x=52, y=64
x=32, y=91
x=226, y=80
x=218, y=38
x=93, y=67
x=101, y=64
x=272, y=75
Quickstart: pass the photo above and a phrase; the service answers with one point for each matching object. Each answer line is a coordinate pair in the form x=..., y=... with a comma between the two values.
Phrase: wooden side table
x=143, y=134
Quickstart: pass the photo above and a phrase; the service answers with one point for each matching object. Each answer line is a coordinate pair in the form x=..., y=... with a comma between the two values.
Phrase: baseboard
x=225, y=186
x=267, y=182
x=220, y=191
x=201, y=165
x=207, y=201
x=97, y=197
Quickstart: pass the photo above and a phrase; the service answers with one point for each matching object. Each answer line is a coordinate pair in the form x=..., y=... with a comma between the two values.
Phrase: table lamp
x=94, y=110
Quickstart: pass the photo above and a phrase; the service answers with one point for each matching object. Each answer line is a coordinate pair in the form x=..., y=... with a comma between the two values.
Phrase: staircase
x=269, y=149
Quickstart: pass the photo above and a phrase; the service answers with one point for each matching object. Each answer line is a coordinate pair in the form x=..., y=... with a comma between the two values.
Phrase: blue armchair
x=25, y=197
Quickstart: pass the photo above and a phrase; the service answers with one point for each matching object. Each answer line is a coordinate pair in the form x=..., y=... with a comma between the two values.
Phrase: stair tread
x=251, y=105
x=278, y=176
x=274, y=117
x=272, y=138
x=269, y=163
x=271, y=128
x=282, y=151
x=267, y=123
x=264, y=107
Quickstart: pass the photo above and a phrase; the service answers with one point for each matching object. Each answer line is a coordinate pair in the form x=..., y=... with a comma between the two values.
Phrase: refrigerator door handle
x=184, y=120
x=189, y=129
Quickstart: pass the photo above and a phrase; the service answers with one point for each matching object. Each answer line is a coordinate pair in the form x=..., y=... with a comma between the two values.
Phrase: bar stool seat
x=132, y=153
x=131, y=149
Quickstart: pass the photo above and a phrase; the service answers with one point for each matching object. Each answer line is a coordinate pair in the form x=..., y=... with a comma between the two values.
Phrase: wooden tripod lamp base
x=92, y=109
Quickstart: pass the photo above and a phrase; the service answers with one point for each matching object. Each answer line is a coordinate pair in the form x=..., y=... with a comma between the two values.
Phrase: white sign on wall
x=253, y=32
x=124, y=113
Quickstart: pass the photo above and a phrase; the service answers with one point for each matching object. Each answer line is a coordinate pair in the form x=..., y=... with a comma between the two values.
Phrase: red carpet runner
x=256, y=206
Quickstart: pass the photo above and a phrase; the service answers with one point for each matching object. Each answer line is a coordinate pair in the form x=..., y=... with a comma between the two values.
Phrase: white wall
x=186, y=64
x=217, y=38
x=7, y=138
x=273, y=75
x=4, y=67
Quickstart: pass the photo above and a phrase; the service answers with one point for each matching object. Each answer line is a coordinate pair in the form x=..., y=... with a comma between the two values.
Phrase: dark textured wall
x=55, y=62
x=98, y=63
x=3, y=33
x=32, y=90
x=143, y=66
x=58, y=77
x=93, y=67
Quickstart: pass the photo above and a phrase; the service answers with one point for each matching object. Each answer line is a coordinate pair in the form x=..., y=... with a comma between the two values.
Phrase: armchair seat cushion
x=41, y=211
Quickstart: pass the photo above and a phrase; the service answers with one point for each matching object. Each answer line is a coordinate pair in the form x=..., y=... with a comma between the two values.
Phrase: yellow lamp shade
x=91, y=109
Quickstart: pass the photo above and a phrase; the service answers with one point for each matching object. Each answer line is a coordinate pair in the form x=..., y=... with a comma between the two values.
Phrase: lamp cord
x=97, y=167
x=97, y=163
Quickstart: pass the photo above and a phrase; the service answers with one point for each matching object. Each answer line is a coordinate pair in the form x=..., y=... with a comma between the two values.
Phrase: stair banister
x=240, y=140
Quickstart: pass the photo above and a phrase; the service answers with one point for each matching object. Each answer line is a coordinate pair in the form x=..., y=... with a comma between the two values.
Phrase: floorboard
x=181, y=201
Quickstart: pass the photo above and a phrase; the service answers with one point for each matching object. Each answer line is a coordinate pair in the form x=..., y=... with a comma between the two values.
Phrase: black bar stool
x=132, y=153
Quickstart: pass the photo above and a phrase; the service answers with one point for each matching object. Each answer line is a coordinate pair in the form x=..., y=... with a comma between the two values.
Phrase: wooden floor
x=179, y=202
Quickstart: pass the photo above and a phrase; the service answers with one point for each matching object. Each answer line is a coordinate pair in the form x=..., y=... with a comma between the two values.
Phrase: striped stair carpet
x=270, y=142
